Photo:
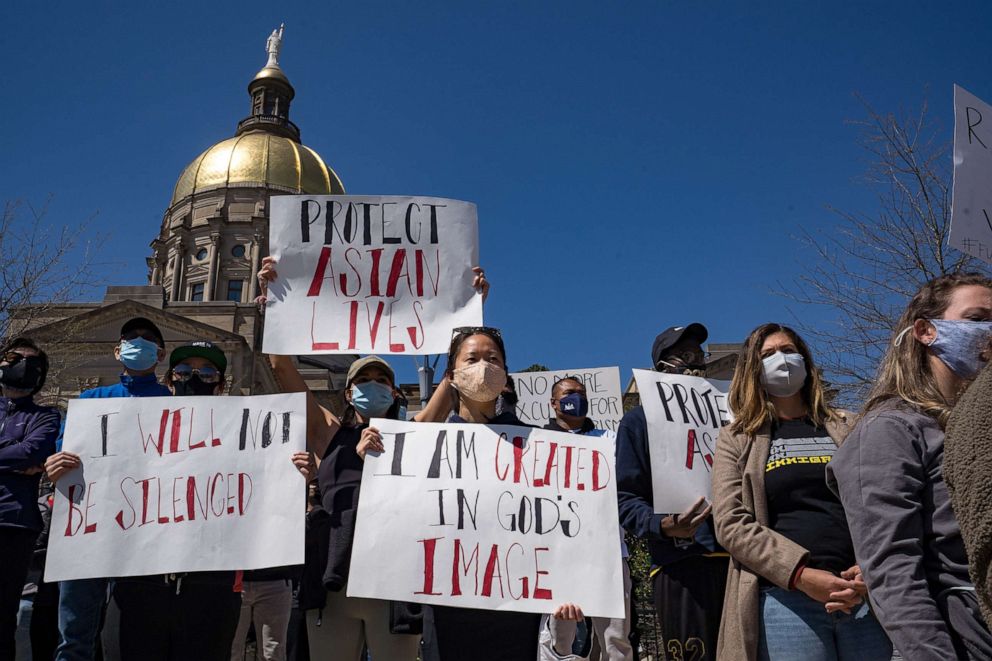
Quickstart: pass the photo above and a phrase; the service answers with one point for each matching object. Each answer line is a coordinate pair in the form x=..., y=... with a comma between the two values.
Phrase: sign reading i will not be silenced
x=359, y=274
x=489, y=516
x=177, y=484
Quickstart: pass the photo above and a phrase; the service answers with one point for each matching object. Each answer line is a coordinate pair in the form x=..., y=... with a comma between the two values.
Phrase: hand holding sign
x=685, y=524
x=362, y=274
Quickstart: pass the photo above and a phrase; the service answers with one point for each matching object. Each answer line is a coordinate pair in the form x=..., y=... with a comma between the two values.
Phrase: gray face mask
x=784, y=374
x=959, y=344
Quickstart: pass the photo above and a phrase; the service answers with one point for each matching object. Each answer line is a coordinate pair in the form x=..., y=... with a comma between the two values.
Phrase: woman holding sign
x=477, y=380
x=794, y=590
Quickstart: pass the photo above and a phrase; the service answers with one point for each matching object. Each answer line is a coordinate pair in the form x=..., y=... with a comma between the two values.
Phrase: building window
x=196, y=291
x=234, y=288
x=238, y=250
x=201, y=254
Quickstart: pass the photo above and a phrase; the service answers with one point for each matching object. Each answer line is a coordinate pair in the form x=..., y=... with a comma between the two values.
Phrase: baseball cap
x=362, y=363
x=141, y=323
x=200, y=349
x=669, y=337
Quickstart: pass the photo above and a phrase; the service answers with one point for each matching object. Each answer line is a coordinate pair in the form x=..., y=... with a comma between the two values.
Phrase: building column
x=256, y=259
x=176, y=259
x=214, y=249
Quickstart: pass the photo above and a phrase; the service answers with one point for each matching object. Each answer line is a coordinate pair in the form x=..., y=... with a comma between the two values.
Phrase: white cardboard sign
x=971, y=202
x=177, y=484
x=495, y=517
x=370, y=274
x=602, y=388
x=684, y=416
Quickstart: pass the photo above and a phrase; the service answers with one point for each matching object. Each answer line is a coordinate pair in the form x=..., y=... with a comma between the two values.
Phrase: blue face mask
x=574, y=405
x=959, y=344
x=139, y=354
x=371, y=399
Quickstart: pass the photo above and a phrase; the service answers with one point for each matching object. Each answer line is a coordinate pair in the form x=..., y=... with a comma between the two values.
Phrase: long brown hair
x=905, y=370
x=748, y=400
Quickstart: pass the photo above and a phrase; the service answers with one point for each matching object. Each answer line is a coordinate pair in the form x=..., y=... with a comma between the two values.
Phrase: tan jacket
x=740, y=513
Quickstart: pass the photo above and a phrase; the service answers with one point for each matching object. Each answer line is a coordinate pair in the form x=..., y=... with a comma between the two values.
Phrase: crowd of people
x=830, y=535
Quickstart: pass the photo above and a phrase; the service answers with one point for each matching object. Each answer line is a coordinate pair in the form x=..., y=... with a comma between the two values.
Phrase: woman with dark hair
x=794, y=590
x=477, y=379
x=889, y=474
x=27, y=437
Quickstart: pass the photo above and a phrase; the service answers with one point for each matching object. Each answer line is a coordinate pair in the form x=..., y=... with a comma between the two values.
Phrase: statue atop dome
x=273, y=45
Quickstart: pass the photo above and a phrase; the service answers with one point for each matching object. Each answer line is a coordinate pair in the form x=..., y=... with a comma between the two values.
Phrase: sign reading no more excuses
x=684, y=416
x=602, y=389
x=489, y=516
x=360, y=274
x=175, y=484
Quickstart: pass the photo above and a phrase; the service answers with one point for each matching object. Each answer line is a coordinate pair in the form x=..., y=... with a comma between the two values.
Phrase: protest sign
x=358, y=274
x=684, y=416
x=177, y=484
x=602, y=388
x=971, y=201
x=489, y=516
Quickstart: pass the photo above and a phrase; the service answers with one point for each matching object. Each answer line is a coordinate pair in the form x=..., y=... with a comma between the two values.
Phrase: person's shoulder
x=102, y=391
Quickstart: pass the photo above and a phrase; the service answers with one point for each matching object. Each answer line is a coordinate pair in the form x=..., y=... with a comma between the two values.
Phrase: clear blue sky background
x=636, y=165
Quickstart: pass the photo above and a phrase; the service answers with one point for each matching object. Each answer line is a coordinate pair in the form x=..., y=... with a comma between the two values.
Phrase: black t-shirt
x=800, y=506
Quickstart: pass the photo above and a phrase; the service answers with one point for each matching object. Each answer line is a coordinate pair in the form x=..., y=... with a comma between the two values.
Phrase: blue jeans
x=81, y=604
x=796, y=628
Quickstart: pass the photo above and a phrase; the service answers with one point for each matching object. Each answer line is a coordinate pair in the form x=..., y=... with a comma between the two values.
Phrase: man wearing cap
x=140, y=350
x=688, y=567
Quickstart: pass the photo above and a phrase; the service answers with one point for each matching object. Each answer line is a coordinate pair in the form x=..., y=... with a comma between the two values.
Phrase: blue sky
x=636, y=165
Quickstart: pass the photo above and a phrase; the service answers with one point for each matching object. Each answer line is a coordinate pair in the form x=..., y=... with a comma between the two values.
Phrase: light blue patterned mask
x=959, y=344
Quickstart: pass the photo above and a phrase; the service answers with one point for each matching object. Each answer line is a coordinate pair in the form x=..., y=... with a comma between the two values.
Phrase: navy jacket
x=27, y=438
x=636, y=502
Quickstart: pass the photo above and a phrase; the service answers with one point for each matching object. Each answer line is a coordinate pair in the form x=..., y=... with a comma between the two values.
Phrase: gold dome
x=258, y=159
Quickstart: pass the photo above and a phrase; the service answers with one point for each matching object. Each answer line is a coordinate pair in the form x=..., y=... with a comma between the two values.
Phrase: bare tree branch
x=44, y=265
x=865, y=267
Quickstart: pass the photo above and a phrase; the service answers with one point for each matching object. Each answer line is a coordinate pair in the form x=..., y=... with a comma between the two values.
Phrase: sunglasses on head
x=182, y=373
x=477, y=330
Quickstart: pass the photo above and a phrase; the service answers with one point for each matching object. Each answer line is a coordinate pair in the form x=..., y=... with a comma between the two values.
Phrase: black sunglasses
x=182, y=373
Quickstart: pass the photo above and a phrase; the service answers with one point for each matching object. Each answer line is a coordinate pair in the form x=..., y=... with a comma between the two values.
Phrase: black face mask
x=193, y=386
x=26, y=374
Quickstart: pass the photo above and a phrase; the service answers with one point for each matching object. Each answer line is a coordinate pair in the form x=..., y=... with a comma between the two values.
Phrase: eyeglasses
x=182, y=373
x=686, y=357
x=12, y=357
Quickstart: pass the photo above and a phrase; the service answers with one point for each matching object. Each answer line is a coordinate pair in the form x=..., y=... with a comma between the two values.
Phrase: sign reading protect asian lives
x=370, y=274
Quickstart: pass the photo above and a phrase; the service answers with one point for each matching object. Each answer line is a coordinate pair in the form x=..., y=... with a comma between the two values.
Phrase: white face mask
x=784, y=374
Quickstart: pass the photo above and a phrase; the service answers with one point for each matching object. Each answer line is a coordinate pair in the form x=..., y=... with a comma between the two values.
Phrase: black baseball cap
x=669, y=337
x=201, y=349
x=141, y=323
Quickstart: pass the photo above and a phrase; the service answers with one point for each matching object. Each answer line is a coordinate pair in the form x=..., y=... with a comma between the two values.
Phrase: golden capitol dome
x=258, y=159
x=266, y=151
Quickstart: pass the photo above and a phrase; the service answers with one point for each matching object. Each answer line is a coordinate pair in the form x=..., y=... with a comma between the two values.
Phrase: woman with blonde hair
x=794, y=590
x=889, y=474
